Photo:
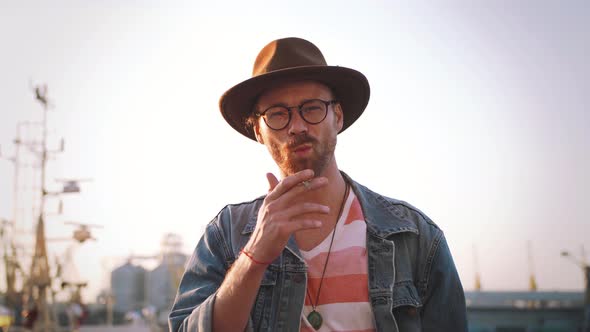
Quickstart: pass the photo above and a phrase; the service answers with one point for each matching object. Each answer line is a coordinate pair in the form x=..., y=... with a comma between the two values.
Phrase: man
x=319, y=252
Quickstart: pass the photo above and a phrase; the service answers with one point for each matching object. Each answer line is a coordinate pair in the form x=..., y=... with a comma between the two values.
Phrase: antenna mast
x=532, y=279
x=476, y=265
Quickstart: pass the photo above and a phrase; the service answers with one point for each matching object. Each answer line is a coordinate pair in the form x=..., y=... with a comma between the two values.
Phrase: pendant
x=315, y=319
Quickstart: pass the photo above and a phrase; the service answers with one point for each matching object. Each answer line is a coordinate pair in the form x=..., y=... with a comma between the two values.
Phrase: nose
x=297, y=124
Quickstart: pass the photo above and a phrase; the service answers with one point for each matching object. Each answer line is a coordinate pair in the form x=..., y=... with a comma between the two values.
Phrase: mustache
x=300, y=139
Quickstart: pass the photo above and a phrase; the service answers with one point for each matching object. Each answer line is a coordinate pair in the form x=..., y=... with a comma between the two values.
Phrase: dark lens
x=277, y=117
x=313, y=111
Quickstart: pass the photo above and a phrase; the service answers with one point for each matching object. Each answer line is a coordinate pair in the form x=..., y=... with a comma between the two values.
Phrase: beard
x=322, y=154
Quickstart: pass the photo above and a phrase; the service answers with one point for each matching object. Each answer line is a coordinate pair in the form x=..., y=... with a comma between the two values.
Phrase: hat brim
x=351, y=89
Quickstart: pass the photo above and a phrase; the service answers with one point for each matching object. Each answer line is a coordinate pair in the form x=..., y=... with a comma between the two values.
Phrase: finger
x=302, y=224
x=289, y=182
x=297, y=210
x=272, y=181
x=310, y=185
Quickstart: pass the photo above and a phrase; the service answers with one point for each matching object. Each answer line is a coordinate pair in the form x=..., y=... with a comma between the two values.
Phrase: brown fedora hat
x=293, y=59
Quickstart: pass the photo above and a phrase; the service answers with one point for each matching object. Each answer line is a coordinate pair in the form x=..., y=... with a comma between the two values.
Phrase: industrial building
x=138, y=290
x=525, y=311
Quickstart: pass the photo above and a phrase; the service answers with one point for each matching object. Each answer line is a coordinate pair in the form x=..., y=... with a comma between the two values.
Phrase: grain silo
x=162, y=282
x=128, y=287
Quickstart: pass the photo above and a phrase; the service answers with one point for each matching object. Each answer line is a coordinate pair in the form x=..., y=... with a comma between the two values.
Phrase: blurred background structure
x=478, y=116
x=148, y=292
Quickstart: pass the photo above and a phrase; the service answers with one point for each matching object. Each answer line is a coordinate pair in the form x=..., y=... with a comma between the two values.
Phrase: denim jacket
x=413, y=283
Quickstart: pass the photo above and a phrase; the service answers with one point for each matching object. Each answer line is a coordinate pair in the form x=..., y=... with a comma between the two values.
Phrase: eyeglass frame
x=299, y=108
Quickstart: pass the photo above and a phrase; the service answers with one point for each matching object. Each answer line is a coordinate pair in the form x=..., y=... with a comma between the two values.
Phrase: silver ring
x=306, y=184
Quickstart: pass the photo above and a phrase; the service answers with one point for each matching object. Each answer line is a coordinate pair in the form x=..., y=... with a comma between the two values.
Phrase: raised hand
x=282, y=214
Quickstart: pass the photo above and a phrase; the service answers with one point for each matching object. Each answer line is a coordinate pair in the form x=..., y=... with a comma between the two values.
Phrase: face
x=300, y=145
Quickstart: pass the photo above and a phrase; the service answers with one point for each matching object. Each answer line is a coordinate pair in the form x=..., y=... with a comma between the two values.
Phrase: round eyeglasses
x=312, y=111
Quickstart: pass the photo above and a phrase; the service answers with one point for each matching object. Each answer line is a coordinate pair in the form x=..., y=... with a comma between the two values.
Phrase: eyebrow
x=303, y=101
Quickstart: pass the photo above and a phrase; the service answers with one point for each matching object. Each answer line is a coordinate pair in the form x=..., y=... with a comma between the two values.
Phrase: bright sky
x=478, y=116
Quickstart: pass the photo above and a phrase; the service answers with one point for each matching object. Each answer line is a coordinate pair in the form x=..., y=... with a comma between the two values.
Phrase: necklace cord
x=346, y=191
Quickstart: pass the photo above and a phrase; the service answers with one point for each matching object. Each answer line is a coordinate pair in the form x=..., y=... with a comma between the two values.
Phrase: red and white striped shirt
x=344, y=297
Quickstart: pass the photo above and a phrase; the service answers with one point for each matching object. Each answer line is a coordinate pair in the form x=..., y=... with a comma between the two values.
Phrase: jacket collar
x=384, y=216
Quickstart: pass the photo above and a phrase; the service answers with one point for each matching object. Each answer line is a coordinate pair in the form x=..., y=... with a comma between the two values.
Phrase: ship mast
x=39, y=278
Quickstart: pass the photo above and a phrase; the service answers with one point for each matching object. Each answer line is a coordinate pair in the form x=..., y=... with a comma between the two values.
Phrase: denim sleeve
x=444, y=301
x=193, y=307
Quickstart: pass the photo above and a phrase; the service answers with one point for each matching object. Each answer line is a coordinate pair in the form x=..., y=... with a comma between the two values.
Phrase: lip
x=302, y=149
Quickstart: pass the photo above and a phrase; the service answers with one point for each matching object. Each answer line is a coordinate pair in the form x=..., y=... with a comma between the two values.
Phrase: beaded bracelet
x=249, y=255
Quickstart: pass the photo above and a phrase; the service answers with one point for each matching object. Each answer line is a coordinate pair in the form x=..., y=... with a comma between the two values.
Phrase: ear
x=339, y=116
x=256, y=128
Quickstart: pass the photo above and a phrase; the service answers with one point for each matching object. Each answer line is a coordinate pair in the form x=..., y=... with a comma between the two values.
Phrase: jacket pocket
x=406, y=307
